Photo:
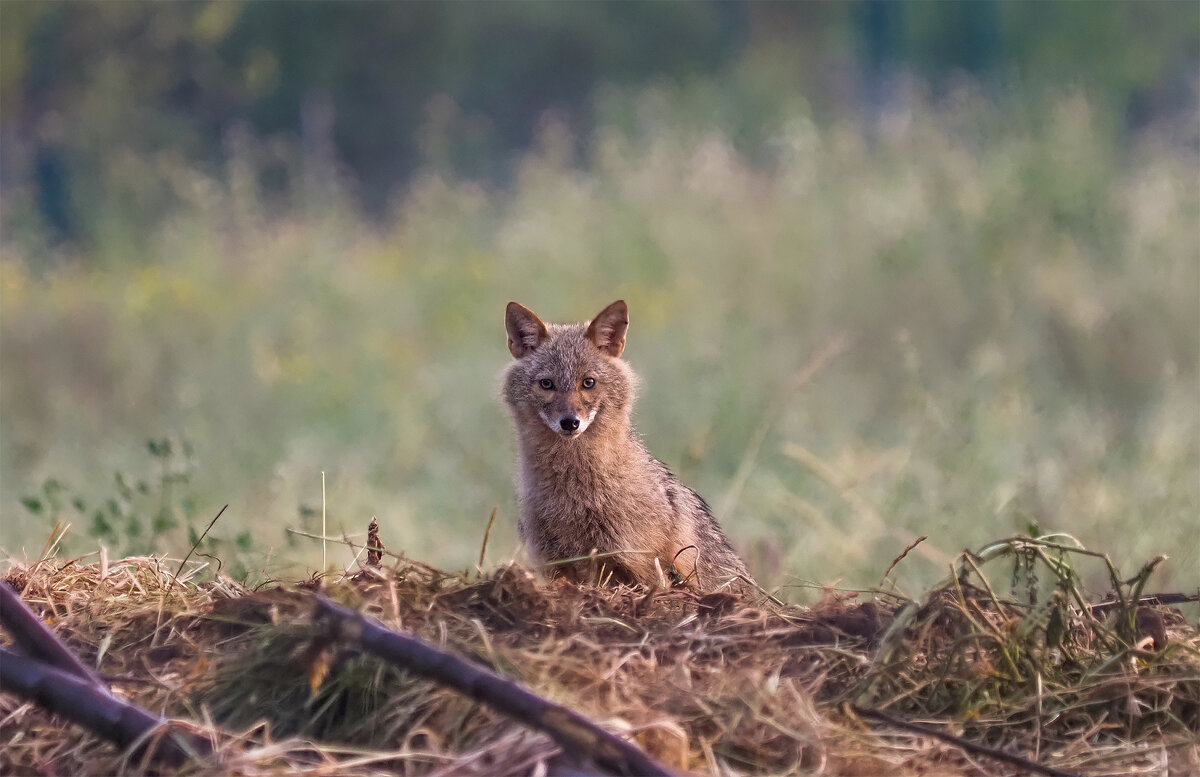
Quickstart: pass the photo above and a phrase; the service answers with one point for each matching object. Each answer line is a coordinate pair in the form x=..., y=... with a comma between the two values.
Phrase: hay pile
x=713, y=685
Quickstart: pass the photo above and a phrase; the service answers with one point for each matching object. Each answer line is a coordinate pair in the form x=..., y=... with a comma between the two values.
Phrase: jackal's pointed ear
x=607, y=330
x=525, y=330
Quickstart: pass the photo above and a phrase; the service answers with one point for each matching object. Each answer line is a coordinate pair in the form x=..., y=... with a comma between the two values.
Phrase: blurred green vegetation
x=97, y=95
x=277, y=240
x=1019, y=294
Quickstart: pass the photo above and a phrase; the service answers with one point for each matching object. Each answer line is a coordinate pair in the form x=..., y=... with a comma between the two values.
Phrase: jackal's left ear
x=525, y=330
x=607, y=330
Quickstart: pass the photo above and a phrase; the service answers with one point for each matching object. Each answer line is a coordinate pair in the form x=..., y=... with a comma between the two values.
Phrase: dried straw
x=714, y=687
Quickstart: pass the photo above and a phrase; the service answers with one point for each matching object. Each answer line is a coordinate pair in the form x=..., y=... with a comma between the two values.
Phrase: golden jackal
x=586, y=483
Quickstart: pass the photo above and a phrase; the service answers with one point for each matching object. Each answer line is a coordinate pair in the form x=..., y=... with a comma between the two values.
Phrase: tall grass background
x=1016, y=292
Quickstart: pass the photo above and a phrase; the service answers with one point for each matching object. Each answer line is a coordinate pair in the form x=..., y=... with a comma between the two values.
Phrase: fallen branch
x=570, y=730
x=97, y=710
x=965, y=744
x=37, y=640
x=55, y=678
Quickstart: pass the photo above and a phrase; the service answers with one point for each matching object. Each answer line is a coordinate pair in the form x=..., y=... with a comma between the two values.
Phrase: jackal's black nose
x=569, y=424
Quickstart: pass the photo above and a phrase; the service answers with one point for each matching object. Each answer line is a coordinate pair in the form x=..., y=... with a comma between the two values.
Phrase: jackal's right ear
x=525, y=330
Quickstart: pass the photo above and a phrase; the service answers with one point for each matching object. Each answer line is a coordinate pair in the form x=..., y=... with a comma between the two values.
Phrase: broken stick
x=55, y=678
x=97, y=710
x=37, y=640
x=573, y=732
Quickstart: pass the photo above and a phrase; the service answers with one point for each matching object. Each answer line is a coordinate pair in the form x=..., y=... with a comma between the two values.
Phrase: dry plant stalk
x=374, y=544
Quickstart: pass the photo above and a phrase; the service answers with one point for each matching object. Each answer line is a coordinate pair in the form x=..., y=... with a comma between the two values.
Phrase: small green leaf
x=164, y=521
x=123, y=487
x=244, y=540
x=100, y=525
x=32, y=504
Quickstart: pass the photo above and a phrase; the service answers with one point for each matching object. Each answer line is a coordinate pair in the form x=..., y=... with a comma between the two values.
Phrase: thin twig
x=344, y=539
x=900, y=558
x=1148, y=599
x=199, y=540
x=965, y=744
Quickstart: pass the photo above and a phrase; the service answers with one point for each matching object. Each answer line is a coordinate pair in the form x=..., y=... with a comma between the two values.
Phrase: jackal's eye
x=547, y=384
x=589, y=383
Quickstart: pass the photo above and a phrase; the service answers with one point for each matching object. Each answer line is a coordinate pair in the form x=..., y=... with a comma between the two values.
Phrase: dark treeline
x=380, y=90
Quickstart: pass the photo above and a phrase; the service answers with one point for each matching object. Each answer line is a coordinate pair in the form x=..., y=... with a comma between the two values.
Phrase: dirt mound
x=713, y=684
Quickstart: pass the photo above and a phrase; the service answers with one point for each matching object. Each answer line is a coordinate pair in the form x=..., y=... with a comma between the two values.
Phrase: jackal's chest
x=562, y=507
x=573, y=515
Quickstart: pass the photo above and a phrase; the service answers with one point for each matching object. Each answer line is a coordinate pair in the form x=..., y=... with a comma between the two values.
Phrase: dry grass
x=715, y=685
